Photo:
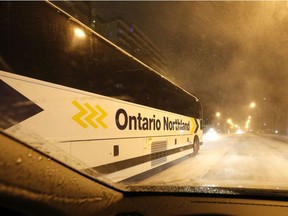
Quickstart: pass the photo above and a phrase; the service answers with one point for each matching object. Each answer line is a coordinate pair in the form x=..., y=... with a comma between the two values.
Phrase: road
x=245, y=160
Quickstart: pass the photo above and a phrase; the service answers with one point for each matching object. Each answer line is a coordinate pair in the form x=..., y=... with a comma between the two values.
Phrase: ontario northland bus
x=70, y=93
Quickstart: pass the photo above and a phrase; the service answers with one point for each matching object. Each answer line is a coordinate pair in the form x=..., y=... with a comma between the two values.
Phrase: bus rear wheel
x=195, y=147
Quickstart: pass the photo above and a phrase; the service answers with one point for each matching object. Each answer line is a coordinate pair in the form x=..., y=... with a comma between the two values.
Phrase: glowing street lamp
x=79, y=33
x=253, y=106
x=218, y=115
x=229, y=121
x=247, y=124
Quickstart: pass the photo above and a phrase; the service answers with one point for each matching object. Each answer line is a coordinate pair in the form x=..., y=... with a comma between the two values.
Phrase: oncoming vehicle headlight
x=239, y=131
x=210, y=135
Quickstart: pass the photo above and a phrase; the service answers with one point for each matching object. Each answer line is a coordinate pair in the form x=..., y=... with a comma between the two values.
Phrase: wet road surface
x=246, y=160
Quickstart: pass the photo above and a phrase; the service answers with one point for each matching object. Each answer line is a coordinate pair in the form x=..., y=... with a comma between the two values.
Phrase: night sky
x=226, y=53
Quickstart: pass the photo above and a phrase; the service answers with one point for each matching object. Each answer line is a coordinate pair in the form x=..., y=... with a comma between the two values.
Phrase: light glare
x=239, y=131
x=252, y=104
x=211, y=135
x=79, y=33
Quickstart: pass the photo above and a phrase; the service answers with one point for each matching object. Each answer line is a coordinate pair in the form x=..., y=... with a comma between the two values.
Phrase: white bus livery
x=70, y=93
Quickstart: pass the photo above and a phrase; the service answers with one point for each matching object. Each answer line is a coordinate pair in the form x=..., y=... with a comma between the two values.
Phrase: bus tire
x=196, y=146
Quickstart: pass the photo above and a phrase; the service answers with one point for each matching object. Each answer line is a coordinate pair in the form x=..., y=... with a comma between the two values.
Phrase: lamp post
x=254, y=106
x=218, y=115
x=230, y=123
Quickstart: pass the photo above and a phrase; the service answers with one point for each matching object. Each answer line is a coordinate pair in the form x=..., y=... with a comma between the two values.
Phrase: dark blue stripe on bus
x=15, y=107
x=120, y=165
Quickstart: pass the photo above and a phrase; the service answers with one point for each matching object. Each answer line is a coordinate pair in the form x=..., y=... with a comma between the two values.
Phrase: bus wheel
x=195, y=147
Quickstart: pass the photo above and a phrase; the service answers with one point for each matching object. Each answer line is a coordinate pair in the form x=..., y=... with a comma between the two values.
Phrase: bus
x=72, y=94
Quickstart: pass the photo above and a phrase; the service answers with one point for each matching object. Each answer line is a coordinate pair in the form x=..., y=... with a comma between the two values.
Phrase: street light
x=247, y=124
x=218, y=115
x=229, y=121
x=254, y=106
x=79, y=33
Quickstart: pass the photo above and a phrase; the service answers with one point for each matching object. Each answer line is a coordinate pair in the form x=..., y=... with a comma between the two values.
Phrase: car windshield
x=142, y=94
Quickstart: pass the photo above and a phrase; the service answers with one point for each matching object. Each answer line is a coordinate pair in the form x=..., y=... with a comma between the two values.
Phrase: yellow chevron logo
x=89, y=115
x=194, y=126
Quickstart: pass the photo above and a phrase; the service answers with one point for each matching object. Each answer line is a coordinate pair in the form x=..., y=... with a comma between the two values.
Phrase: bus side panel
x=95, y=131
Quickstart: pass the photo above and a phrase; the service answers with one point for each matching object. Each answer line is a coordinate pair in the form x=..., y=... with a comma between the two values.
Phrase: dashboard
x=34, y=184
